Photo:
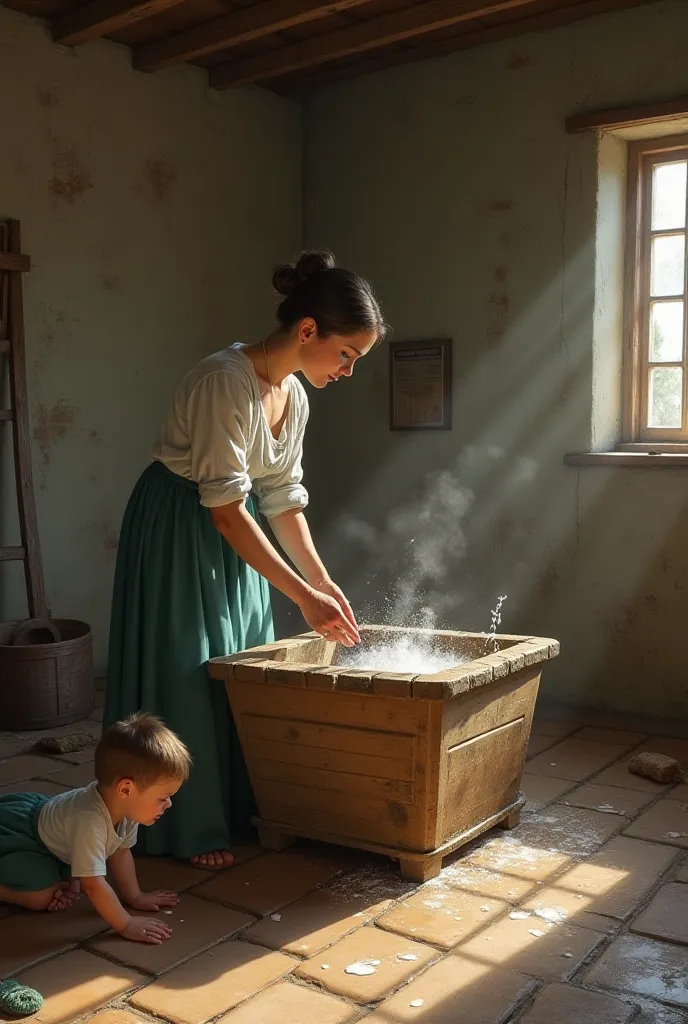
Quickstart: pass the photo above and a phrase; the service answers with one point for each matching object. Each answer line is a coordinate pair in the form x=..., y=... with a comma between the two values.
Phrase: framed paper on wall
x=420, y=385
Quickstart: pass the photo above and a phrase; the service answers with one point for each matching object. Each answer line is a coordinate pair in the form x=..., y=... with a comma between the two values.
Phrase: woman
x=193, y=564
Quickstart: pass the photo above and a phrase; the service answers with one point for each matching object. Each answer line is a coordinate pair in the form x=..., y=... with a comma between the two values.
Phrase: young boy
x=51, y=848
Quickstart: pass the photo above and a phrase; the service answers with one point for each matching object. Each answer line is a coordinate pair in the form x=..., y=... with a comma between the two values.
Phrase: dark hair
x=141, y=748
x=338, y=300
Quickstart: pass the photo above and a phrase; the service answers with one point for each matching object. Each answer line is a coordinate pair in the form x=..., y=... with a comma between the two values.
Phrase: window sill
x=629, y=460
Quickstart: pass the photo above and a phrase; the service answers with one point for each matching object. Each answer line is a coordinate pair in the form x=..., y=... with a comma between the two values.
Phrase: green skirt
x=26, y=864
x=181, y=596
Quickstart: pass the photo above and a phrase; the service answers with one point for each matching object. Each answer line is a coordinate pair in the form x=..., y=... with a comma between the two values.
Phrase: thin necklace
x=267, y=368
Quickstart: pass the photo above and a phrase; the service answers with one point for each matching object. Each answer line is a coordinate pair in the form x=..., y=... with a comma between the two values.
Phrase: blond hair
x=143, y=749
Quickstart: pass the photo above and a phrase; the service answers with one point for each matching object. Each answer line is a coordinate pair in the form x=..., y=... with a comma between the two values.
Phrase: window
x=656, y=296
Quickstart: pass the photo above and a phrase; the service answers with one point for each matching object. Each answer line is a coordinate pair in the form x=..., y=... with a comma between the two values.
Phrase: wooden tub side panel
x=484, y=744
x=350, y=765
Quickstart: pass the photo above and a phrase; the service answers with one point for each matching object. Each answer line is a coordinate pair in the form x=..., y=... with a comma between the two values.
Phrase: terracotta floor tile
x=618, y=737
x=655, y=1013
x=166, y=873
x=564, y=1004
x=367, y=943
x=77, y=983
x=213, y=982
x=658, y=970
x=537, y=743
x=679, y=792
x=29, y=786
x=677, y=748
x=510, y=943
x=617, y=878
x=559, y=728
x=571, y=830
x=6, y=910
x=269, y=883
x=666, y=917
x=313, y=922
x=454, y=990
x=244, y=852
x=442, y=915
x=26, y=937
x=196, y=924
x=619, y=775
x=553, y=903
x=541, y=789
x=378, y=879
x=77, y=775
x=27, y=766
x=114, y=1017
x=624, y=801
x=77, y=756
x=292, y=1004
x=682, y=876
x=574, y=759
x=666, y=822
x=508, y=854
x=469, y=878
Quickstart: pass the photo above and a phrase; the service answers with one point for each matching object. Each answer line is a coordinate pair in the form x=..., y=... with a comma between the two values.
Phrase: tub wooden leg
x=511, y=820
x=420, y=870
x=271, y=839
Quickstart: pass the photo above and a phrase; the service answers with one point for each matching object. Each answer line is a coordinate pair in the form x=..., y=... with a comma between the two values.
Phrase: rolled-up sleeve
x=218, y=411
x=283, y=490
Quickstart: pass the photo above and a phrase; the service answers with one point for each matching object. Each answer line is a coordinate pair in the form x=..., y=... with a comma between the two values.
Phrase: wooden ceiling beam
x=98, y=18
x=243, y=26
x=361, y=38
x=465, y=41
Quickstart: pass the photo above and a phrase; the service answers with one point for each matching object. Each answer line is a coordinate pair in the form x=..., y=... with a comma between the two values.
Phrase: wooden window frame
x=643, y=155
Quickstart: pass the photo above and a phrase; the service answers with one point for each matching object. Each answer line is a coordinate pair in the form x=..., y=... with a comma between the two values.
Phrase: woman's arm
x=321, y=611
x=294, y=537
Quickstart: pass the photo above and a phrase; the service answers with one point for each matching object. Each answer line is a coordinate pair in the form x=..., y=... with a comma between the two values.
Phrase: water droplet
x=519, y=915
x=416, y=1002
x=275, y=917
x=536, y=932
x=406, y=956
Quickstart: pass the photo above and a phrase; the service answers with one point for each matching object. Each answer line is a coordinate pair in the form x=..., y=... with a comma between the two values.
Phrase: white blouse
x=217, y=435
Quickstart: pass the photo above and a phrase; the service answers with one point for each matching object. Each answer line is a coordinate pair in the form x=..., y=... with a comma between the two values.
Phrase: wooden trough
x=407, y=765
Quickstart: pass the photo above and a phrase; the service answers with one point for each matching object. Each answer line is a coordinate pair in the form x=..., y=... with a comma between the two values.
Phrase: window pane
x=666, y=332
x=669, y=196
x=665, y=404
x=668, y=255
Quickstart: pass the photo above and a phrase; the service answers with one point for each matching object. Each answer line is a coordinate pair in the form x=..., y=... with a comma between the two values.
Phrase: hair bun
x=310, y=263
x=285, y=279
x=289, y=275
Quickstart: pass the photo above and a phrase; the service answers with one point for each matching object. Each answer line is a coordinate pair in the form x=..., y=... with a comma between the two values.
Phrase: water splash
x=494, y=623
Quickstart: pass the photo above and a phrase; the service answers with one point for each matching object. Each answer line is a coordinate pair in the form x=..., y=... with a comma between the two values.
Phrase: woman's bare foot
x=216, y=859
x=57, y=897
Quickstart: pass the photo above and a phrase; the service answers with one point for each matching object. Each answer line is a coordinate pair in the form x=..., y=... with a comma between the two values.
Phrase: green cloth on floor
x=26, y=865
x=181, y=596
x=19, y=1000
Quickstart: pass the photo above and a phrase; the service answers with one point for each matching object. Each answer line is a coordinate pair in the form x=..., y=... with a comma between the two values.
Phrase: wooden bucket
x=46, y=673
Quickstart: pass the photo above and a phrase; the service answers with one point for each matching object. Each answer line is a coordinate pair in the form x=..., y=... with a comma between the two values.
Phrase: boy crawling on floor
x=51, y=848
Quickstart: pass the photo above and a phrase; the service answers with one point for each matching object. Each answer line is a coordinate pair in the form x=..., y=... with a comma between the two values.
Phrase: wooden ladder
x=12, y=265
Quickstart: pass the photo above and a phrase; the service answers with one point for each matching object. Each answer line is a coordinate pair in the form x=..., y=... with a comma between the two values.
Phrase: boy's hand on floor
x=146, y=929
x=152, y=901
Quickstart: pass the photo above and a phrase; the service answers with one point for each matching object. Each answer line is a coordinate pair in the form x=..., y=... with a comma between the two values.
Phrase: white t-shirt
x=77, y=829
x=217, y=435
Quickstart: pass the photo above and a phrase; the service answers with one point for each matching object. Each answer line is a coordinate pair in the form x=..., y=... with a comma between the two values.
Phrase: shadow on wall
x=431, y=528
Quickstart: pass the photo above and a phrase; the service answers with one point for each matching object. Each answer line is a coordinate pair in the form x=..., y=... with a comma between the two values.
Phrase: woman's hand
x=329, y=587
x=329, y=615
